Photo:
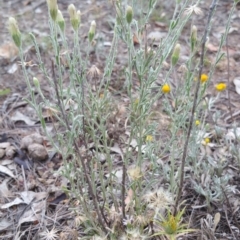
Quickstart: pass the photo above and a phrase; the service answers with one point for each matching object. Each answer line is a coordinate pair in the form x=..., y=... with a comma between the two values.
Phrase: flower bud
x=53, y=9
x=60, y=21
x=176, y=53
x=36, y=82
x=14, y=31
x=129, y=14
x=92, y=30
x=193, y=37
x=75, y=16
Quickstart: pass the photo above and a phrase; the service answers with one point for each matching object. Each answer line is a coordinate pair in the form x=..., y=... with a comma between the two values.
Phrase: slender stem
x=228, y=79
x=92, y=194
x=183, y=160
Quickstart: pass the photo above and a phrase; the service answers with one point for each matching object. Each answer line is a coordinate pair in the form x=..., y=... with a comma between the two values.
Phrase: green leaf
x=4, y=92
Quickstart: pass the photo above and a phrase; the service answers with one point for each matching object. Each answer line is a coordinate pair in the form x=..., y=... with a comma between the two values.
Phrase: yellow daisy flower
x=166, y=88
x=204, y=78
x=221, y=87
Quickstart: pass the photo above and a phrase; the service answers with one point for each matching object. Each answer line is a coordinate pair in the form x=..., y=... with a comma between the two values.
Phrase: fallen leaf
x=216, y=220
x=4, y=223
x=16, y=201
x=129, y=197
x=29, y=196
x=20, y=117
x=5, y=170
x=13, y=69
x=4, y=192
x=34, y=213
x=135, y=40
x=236, y=82
x=212, y=48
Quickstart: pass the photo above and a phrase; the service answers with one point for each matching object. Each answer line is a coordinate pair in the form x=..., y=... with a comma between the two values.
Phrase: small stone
x=33, y=138
x=4, y=144
x=37, y=152
x=10, y=151
x=2, y=153
x=25, y=142
x=236, y=56
x=37, y=138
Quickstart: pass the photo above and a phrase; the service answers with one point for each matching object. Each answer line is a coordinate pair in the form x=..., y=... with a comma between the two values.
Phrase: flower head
x=158, y=199
x=49, y=235
x=221, y=87
x=166, y=88
x=149, y=138
x=94, y=72
x=197, y=122
x=204, y=78
x=135, y=173
x=206, y=141
x=172, y=226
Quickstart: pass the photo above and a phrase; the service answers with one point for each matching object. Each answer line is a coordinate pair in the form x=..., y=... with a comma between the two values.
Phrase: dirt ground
x=18, y=120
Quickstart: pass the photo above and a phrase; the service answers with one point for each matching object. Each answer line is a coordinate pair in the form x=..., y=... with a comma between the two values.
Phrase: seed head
x=53, y=9
x=193, y=9
x=94, y=72
x=14, y=31
x=135, y=173
x=158, y=199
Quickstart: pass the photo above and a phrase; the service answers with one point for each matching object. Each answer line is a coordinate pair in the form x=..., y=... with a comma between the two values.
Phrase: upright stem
x=183, y=160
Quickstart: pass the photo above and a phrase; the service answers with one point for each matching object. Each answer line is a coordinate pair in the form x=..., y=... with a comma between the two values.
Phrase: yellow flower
x=149, y=138
x=204, y=78
x=171, y=226
x=197, y=122
x=136, y=102
x=166, y=88
x=221, y=87
x=206, y=141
